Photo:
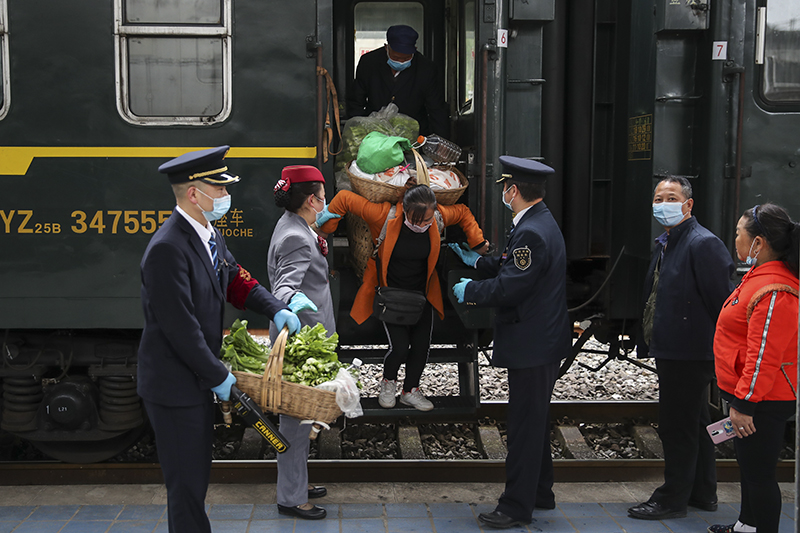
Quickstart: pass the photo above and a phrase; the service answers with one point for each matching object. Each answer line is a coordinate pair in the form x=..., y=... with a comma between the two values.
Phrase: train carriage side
x=95, y=98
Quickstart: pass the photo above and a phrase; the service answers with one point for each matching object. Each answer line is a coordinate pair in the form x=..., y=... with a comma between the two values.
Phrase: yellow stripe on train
x=15, y=160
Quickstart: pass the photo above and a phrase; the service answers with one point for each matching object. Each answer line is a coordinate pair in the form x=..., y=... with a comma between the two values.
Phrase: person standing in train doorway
x=187, y=276
x=399, y=73
x=527, y=285
x=688, y=281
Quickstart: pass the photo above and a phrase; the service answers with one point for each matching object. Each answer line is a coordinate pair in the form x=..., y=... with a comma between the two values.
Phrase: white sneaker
x=416, y=400
x=387, y=396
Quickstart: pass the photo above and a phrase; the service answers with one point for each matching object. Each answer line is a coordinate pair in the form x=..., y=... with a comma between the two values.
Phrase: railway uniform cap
x=523, y=170
x=402, y=39
x=298, y=174
x=202, y=165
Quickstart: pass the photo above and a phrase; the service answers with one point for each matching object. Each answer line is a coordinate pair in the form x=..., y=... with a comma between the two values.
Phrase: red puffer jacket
x=755, y=346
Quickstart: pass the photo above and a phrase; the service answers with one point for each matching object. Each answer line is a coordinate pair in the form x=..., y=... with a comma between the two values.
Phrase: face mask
x=668, y=213
x=321, y=211
x=750, y=261
x=397, y=65
x=507, y=204
x=417, y=229
x=221, y=206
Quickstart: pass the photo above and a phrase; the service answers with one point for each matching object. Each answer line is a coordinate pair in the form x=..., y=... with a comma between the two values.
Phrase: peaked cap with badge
x=402, y=39
x=201, y=165
x=523, y=170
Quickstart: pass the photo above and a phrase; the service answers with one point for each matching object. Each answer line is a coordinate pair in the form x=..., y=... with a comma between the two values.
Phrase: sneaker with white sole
x=415, y=399
x=388, y=394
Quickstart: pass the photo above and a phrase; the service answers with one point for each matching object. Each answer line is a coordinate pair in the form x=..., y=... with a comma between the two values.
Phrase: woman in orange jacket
x=755, y=351
x=407, y=258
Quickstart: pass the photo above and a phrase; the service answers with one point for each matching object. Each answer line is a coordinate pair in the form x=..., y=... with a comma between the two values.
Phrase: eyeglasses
x=318, y=198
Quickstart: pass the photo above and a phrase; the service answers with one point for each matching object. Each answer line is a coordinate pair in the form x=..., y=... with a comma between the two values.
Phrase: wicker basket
x=281, y=397
x=361, y=244
x=451, y=196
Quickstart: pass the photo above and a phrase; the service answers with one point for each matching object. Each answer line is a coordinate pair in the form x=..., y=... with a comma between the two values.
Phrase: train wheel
x=90, y=452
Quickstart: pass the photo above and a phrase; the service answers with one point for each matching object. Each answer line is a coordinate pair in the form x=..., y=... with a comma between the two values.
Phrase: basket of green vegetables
x=283, y=381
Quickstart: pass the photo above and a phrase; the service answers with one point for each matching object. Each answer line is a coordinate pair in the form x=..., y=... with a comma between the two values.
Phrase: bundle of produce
x=310, y=357
x=242, y=351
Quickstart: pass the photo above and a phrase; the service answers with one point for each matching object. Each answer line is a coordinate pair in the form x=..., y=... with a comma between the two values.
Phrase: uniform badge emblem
x=522, y=258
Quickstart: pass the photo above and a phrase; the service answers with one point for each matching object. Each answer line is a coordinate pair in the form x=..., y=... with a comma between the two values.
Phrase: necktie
x=511, y=230
x=323, y=245
x=212, y=245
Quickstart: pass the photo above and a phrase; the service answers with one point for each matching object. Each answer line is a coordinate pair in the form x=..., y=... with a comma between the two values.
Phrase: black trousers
x=689, y=467
x=757, y=456
x=184, y=440
x=529, y=465
x=409, y=344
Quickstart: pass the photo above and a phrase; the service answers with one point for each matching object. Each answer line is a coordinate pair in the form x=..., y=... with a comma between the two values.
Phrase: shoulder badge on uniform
x=522, y=258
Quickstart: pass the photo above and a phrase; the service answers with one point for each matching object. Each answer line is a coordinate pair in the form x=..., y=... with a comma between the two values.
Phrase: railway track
x=569, y=418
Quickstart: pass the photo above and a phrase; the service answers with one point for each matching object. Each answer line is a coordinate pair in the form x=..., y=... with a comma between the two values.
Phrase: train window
x=5, y=82
x=173, y=61
x=781, y=72
x=372, y=19
x=467, y=59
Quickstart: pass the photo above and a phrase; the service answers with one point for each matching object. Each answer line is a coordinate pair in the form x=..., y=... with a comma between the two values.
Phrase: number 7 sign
x=720, y=51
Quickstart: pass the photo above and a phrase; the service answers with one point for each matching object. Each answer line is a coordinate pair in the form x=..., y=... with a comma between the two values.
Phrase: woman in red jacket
x=755, y=349
x=407, y=259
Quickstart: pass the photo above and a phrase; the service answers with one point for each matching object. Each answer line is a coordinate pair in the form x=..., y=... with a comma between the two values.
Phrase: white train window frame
x=5, y=57
x=123, y=32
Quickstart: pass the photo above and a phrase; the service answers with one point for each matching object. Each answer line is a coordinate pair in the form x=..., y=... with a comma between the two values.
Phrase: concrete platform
x=352, y=507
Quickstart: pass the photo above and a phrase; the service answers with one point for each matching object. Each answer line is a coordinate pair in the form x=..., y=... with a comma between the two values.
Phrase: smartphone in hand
x=721, y=431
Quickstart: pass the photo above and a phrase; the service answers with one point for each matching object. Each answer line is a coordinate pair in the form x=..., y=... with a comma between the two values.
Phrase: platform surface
x=353, y=508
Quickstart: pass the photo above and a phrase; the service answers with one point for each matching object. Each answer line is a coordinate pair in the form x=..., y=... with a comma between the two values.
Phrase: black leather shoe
x=654, y=511
x=317, y=492
x=498, y=520
x=705, y=506
x=315, y=513
x=545, y=505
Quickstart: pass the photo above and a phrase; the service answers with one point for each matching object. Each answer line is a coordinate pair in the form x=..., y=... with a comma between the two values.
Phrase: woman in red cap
x=755, y=353
x=407, y=258
x=298, y=275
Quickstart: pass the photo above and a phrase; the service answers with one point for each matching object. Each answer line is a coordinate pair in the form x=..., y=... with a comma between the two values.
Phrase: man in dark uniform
x=399, y=73
x=527, y=286
x=187, y=275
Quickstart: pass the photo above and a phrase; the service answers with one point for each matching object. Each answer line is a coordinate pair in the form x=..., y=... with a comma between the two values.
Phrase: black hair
x=686, y=186
x=416, y=202
x=528, y=191
x=773, y=223
x=298, y=193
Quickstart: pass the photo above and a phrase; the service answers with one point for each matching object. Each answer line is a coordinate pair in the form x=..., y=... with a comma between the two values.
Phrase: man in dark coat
x=399, y=73
x=532, y=334
x=686, y=285
x=187, y=275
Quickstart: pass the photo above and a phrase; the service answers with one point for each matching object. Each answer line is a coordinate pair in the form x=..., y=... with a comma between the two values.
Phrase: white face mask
x=668, y=213
x=417, y=229
x=508, y=204
x=750, y=261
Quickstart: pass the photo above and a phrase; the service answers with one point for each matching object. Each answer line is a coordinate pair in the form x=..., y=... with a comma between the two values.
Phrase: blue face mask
x=668, y=214
x=750, y=261
x=507, y=204
x=221, y=206
x=397, y=66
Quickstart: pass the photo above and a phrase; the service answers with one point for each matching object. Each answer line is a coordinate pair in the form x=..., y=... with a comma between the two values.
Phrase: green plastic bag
x=379, y=152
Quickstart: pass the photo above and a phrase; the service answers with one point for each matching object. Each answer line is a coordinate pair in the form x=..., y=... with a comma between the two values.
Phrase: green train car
x=610, y=93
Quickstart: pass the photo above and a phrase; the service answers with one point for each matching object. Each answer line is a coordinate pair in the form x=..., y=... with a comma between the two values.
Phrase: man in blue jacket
x=686, y=285
x=532, y=334
x=187, y=275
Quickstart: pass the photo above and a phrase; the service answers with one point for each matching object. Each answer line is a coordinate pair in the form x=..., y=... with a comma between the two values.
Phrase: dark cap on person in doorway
x=402, y=39
x=202, y=165
x=523, y=170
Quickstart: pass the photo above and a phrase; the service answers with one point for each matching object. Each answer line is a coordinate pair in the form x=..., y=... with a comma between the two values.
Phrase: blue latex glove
x=459, y=288
x=285, y=318
x=300, y=302
x=469, y=257
x=223, y=390
x=324, y=216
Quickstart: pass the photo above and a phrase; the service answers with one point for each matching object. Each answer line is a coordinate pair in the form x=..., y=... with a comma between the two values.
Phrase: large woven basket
x=281, y=397
x=360, y=240
x=451, y=196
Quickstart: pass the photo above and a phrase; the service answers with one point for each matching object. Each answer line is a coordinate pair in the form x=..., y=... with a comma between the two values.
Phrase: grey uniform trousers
x=293, y=463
